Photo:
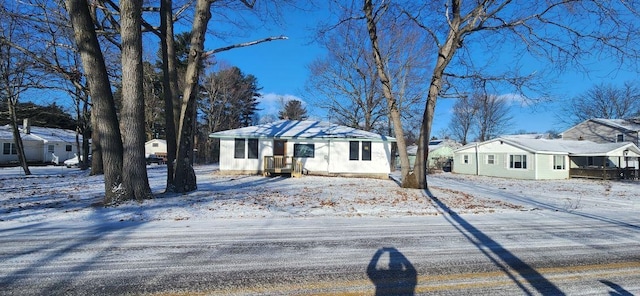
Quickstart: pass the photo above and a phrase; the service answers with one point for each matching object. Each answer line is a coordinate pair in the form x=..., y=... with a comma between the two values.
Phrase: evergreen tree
x=293, y=110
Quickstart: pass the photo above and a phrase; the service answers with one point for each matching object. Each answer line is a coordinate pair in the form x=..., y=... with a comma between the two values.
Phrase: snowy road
x=538, y=252
x=249, y=235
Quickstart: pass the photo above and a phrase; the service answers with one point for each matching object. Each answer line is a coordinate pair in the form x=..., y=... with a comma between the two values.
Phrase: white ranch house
x=41, y=144
x=540, y=159
x=296, y=147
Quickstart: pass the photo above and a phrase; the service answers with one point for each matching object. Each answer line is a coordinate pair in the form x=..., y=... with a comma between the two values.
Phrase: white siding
x=339, y=162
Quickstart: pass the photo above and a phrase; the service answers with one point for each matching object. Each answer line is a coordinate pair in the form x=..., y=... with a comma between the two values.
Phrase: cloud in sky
x=271, y=103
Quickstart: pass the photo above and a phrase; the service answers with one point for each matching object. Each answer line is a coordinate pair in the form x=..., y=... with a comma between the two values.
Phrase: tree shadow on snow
x=617, y=290
x=502, y=258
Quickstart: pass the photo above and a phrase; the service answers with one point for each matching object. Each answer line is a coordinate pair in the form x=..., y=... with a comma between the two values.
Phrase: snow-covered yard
x=58, y=193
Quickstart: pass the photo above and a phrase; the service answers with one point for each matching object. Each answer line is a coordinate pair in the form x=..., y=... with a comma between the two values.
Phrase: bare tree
x=462, y=119
x=469, y=34
x=16, y=76
x=492, y=116
x=345, y=82
x=602, y=101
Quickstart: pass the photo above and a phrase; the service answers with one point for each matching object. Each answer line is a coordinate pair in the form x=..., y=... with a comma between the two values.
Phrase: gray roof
x=294, y=129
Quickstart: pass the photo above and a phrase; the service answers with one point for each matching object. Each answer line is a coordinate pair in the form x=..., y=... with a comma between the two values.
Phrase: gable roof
x=626, y=125
x=566, y=147
x=37, y=133
x=294, y=129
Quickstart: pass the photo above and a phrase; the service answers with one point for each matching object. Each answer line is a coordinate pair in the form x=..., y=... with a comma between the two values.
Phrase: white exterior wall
x=339, y=162
x=331, y=157
x=319, y=164
x=229, y=163
x=60, y=151
x=161, y=148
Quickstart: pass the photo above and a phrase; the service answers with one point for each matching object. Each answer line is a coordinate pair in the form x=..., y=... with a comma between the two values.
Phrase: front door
x=279, y=147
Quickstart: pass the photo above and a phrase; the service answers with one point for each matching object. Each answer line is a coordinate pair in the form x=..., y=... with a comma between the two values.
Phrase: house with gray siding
x=601, y=130
x=540, y=159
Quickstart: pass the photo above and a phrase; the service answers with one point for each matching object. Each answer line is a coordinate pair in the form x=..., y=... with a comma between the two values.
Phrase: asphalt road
x=530, y=253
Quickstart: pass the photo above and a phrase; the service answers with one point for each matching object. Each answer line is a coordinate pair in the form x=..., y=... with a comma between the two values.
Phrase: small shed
x=156, y=146
x=311, y=147
x=540, y=159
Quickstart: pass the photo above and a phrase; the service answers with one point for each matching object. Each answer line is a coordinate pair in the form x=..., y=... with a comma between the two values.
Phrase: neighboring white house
x=322, y=148
x=41, y=144
x=539, y=159
x=156, y=146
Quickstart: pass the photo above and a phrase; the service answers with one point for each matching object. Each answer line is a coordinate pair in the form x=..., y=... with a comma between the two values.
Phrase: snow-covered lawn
x=63, y=194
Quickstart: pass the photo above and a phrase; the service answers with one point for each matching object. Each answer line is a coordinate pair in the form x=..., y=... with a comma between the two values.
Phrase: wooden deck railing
x=604, y=173
x=282, y=165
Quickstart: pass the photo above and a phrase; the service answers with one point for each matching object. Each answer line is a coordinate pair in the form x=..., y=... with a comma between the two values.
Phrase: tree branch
x=245, y=44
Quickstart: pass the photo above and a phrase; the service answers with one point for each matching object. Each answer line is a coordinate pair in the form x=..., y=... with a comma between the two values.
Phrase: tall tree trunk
x=97, y=165
x=185, y=178
x=17, y=137
x=445, y=54
x=170, y=85
x=105, y=119
x=134, y=169
x=408, y=179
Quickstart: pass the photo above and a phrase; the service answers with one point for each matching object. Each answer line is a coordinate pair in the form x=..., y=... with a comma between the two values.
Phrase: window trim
x=309, y=147
x=555, y=164
x=522, y=162
x=354, y=150
x=9, y=148
x=252, y=149
x=366, y=150
x=239, y=148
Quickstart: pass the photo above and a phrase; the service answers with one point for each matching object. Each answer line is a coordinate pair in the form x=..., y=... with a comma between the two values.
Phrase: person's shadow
x=397, y=277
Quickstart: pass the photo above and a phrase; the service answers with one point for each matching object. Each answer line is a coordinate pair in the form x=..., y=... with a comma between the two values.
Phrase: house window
x=9, y=149
x=517, y=161
x=558, y=162
x=51, y=148
x=366, y=150
x=68, y=148
x=491, y=159
x=304, y=150
x=354, y=149
x=465, y=159
x=154, y=145
x=620, y=138
x=239, y=148
x=589, y=161
x=252, y=149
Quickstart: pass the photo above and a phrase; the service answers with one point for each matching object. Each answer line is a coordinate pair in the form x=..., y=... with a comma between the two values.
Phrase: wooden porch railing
x=282, y=165
x=604, y=173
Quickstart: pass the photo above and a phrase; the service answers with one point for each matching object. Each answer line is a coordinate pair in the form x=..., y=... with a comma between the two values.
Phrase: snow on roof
x=38, y=133
x=626, y=124
x=294, y=129
x=558, y=146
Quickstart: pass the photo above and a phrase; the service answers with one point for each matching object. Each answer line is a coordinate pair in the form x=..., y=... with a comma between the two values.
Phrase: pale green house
x=540, y=159
x=440, y=153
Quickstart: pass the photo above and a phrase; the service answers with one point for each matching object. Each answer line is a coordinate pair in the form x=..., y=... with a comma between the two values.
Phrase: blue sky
x=281, y=69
